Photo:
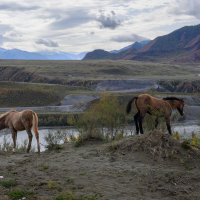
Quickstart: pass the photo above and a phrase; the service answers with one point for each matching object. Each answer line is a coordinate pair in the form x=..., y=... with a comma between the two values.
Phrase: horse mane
x=6, y=113
x=173, y=98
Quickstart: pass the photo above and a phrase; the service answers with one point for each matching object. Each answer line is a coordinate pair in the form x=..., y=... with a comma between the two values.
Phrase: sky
x=85, y=25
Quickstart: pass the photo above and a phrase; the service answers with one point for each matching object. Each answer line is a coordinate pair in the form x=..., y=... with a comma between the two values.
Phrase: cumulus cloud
x=109, y=20
x=67, y=24
x=47, y=42
x=17, y=7
x=128, y=38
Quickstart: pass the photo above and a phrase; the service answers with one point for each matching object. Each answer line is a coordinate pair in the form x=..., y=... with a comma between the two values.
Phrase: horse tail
x=35, y=129
x=128, y=107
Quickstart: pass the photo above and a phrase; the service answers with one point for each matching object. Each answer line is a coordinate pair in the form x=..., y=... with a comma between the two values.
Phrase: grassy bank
x=28, y=94
x=103, y=69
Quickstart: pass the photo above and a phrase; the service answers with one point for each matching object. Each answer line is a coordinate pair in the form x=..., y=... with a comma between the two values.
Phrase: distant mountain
x=25, y=55
x=182, y=45
x=135, y=45
x=115, y=54
x=99, y=54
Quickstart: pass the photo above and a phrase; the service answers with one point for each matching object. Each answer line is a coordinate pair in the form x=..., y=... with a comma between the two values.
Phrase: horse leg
x=38, y=142
x=156, y=122
x=14, y=137
x=136, y=122
x=168, y=126
x=30, y=136
x=140, y=119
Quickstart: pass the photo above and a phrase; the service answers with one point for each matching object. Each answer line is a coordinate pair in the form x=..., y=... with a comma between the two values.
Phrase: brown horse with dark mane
x=19, y=121
x=159, y=107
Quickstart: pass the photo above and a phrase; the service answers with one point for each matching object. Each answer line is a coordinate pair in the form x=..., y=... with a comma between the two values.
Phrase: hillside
x=116, y=54
x=182, y=45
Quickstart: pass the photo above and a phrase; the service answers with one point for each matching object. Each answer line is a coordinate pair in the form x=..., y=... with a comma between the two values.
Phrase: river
x=185, y=129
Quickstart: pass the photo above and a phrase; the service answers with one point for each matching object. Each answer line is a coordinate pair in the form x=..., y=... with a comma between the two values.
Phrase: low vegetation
x=54, y=140
x=17, y=194
x=71, y=196
x=63, y=71
x=18, y=94
x=8, y=183
x=104, y=120
x=159, y=146
x=7, y=146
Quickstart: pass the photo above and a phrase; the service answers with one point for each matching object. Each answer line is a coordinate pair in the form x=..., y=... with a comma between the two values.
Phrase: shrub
x=195, y=142
x=103, y=121
x=55, y=139
x=176, y=136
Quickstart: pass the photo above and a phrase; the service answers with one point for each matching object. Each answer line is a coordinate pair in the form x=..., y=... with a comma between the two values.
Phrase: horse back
x=21, y=120
x=148, y=103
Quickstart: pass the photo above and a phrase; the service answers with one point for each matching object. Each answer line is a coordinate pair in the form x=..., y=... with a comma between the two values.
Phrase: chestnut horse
x=19, y=121
x=159, y=107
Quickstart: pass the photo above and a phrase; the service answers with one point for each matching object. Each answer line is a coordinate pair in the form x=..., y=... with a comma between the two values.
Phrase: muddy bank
x=91, y=171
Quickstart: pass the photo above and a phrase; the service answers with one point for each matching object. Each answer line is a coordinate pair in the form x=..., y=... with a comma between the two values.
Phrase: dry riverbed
x=103, y=171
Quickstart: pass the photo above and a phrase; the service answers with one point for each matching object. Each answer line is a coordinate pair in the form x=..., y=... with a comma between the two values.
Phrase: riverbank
x=98, y=174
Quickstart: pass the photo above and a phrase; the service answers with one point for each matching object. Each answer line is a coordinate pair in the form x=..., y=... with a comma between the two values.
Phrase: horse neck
x=173, y=104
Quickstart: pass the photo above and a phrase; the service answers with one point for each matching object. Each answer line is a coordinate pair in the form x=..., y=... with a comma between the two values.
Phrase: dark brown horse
x=19, y=121
x=159, y=107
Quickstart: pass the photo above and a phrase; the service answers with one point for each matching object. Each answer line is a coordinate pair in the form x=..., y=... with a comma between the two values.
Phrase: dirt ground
x=98, y=174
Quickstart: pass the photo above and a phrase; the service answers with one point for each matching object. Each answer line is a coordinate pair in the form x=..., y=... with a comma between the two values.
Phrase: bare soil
x=109, y=171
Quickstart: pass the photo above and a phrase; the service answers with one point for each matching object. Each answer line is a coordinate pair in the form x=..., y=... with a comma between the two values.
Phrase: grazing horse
x=19, y=121
x=160, y=107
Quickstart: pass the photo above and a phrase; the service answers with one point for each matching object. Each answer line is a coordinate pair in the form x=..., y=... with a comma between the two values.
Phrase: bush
x=103, y=121
x=55, y=139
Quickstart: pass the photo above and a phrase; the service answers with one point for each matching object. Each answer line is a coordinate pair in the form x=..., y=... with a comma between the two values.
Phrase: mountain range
x=182, y=45
x=26, y=55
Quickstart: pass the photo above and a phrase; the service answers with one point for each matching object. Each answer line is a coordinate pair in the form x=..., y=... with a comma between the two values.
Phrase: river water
x=185, y=129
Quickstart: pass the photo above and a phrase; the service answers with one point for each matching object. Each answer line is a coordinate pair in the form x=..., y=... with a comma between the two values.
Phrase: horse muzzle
x=182, y=114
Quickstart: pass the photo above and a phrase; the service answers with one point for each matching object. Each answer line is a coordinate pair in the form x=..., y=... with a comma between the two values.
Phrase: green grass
x=17, y=194
x=104, y=69
x=9, y=183
x=28, y=94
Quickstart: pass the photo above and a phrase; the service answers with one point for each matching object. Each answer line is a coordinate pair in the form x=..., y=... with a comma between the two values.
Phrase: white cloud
x=34, y=26
x=128, y=38
x=47, y=42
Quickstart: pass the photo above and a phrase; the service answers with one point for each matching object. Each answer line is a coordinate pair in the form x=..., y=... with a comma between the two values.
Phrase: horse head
x=180, y=107
x=176, y=103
